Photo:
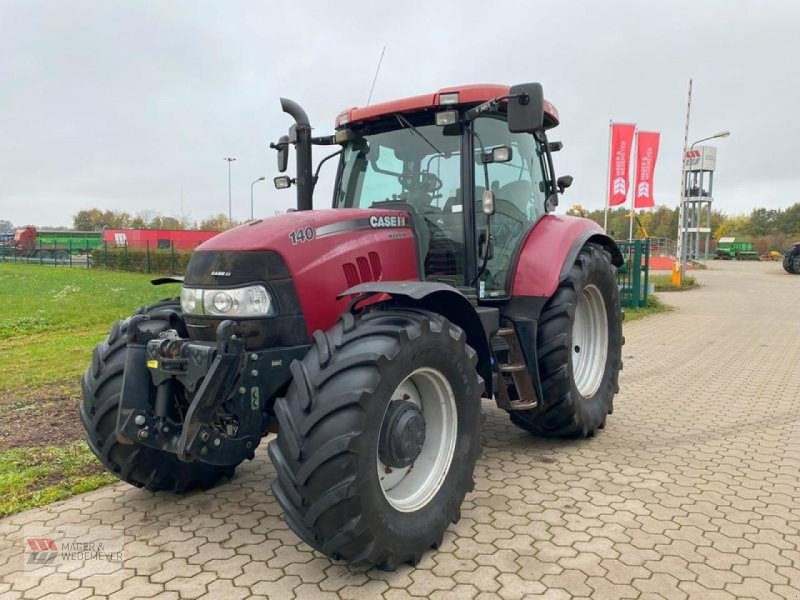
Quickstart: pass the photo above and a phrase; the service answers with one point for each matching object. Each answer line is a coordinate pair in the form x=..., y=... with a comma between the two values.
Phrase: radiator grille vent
x=364, y=270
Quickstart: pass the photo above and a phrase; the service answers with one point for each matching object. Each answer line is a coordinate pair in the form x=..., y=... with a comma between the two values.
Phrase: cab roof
x=467, y=94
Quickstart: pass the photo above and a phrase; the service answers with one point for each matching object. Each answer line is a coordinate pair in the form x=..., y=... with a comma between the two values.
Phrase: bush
x=663, y=283
x=142, y=260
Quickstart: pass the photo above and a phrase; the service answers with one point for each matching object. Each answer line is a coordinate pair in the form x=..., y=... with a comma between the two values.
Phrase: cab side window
x=519, y=189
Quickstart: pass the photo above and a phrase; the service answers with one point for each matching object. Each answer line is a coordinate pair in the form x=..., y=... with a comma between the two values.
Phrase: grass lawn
x=654, y=306
x=663, y=283
x=51, y=319
x=53, y=316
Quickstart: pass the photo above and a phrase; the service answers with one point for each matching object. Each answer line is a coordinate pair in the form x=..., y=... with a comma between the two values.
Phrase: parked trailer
x=729, y=249
x=157, y=239
x=80, y=242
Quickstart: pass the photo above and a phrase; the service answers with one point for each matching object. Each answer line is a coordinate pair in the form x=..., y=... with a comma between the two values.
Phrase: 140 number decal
x=299, y=236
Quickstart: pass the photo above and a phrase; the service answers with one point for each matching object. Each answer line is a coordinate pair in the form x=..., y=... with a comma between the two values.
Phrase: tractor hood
x=321, y=252
x=284, y=233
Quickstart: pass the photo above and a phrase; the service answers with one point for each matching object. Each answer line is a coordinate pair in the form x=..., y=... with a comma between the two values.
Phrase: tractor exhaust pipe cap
x=302, y=143
x=292, y=108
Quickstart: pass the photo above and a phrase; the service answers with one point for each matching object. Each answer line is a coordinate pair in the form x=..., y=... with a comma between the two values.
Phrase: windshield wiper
x=405, y=123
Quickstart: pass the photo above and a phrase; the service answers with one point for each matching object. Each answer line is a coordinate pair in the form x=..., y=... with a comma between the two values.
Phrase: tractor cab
x=471, y=166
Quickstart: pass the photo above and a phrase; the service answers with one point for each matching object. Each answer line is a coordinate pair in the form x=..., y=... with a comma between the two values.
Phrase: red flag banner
x=646, y=155
x=621, y=142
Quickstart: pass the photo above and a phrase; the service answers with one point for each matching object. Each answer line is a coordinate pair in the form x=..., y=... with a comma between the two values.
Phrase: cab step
x=514, y=387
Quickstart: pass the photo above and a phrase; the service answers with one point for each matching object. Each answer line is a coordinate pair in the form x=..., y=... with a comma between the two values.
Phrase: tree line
x=768, y=228
x=95, y=219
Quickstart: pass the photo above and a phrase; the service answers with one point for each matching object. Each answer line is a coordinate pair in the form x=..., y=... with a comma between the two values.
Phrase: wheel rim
x=409, y=489
x=589, y=341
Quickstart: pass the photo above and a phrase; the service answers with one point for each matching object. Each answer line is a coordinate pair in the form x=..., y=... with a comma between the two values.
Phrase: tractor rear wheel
x=101, y=386
x=579, y=342
x=378, y=436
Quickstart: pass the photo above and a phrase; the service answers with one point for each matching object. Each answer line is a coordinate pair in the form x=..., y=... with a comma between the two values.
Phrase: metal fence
x=633, y=277
x=141, y=258
x=74, y=254
x=662, y=246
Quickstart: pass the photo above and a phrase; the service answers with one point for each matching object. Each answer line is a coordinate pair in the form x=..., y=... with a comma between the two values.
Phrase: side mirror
x=487, y=203
x=501, y=154
x=526, y=111
x=563, y=182
x=282, y=182
x=283, y=153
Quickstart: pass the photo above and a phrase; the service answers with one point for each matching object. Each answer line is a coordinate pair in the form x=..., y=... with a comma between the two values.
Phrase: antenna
x=378, y=70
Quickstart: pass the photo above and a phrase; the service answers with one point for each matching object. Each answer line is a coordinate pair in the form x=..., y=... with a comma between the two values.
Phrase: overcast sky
x=128, y=105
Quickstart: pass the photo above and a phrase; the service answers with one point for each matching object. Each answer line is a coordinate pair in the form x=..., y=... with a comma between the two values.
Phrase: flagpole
x=632, y=186
x=608, y=179
x=678, y=269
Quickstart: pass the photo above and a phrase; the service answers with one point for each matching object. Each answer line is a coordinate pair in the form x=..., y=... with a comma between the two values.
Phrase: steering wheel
x=427, y=183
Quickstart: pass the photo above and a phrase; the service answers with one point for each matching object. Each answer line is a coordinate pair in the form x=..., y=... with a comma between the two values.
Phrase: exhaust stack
x=300, y=135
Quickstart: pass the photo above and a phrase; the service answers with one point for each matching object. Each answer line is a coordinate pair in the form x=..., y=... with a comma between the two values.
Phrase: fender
x=167, y=279
x=480, y=323
x=549, y=251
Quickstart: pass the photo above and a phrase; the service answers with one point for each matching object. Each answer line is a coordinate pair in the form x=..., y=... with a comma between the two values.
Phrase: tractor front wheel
x=101, y=387
x=580, y=351
x=378, y=437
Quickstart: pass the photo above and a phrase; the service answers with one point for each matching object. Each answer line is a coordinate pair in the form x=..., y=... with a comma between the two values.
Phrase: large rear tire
x=335, y=447
x=101, y=385
x=579, y=342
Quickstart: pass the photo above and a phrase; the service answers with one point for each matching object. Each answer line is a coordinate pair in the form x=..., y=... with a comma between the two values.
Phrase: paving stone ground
x=690, y=492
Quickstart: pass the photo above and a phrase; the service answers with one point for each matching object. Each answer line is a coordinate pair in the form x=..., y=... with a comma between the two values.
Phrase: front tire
x=101, y=386
x=579, y=341
x=334, y=445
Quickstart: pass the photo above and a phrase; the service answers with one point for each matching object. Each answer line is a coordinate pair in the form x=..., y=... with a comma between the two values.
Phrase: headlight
x=250, y=301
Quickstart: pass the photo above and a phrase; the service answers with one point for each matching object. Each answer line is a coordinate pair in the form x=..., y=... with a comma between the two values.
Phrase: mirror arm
x=325, y=140
x=486, y=257
x=551, y=202
x=476, y=111
x=319, y=166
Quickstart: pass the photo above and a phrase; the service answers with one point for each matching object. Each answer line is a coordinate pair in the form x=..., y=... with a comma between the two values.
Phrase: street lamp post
x=230, y=209
x=682, y=242
x=251, y=195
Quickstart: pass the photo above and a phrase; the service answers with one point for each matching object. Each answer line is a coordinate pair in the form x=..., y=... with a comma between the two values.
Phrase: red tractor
x=365, y=336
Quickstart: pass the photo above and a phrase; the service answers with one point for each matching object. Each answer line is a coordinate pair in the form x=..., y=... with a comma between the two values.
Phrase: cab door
x=519, y=186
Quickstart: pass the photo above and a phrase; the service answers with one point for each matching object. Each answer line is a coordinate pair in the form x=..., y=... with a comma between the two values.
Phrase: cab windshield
x=417, y=170
x=416, y=167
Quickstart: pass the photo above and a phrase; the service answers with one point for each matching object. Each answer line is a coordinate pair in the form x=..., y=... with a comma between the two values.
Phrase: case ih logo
x=393, y=221
x=43, y=551
x=643, y=190
x=619, y=185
